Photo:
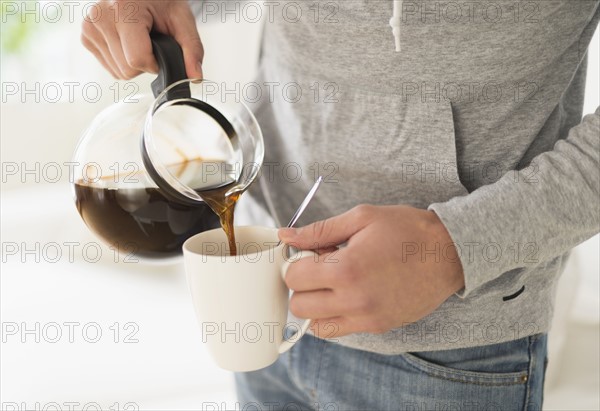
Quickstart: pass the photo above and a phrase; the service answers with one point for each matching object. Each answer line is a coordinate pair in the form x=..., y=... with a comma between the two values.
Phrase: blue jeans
x=320, y=375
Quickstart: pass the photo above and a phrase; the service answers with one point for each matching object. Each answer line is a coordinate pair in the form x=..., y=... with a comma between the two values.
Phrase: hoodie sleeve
x=532, y=215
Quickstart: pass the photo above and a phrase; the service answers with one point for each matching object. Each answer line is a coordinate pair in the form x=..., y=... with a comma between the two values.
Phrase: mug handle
x=288, y=343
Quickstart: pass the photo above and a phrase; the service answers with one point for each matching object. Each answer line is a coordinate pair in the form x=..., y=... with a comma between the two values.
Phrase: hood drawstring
x=395, y=22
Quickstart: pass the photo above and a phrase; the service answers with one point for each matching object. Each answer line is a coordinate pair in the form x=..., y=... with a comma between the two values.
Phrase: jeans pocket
x=492, y=365
x=470, y=377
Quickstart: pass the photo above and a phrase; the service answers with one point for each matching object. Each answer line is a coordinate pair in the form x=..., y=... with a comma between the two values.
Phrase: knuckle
x=89, y=18
x=362, y=211
x=290, y=278
x=180, y=10
x=328, y=329
x=94, y=15
x=193, y=41
x=86, y=28
x=129, y=74
x=296, y=307
x=139, y=62
x=320, y=229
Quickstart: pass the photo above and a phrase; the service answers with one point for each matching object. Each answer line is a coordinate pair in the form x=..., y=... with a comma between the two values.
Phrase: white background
x=167, y=368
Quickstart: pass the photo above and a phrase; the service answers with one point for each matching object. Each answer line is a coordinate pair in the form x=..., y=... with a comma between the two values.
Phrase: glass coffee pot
x=144, y=165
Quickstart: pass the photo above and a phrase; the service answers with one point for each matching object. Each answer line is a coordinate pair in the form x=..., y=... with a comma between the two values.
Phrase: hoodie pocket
x=371, y=147
x=387, y=151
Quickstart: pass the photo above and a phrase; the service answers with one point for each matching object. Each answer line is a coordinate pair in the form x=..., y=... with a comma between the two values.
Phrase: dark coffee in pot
x=141, y=221
x=144, y=222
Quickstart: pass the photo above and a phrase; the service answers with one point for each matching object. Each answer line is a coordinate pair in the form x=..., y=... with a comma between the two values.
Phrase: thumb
x=186, y=34
x=330, y=232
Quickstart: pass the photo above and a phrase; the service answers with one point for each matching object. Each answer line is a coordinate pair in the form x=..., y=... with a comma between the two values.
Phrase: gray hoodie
x=472, y=110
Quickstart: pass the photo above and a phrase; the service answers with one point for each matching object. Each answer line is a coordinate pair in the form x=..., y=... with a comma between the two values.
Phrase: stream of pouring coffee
x=224, y=206
x=218, y=200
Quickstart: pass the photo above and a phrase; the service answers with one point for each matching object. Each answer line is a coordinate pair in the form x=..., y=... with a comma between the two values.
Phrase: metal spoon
x=305, y=203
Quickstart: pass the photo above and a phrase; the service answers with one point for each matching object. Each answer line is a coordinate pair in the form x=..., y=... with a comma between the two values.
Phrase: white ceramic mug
x=241, y=302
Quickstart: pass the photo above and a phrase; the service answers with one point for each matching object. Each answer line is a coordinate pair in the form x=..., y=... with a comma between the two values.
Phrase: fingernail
x=199, y=68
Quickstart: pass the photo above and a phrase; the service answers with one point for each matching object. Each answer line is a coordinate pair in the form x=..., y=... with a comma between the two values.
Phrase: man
x=461, y=126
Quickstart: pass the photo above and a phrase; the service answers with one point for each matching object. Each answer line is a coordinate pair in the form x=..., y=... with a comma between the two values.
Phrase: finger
x=334, y=327
x=326, y=250
x=183, y=28
x=316, y=304
x=137, y=47
x=116, y=50
x=94, y=50
x=309, y=273
x=335, y=230
x=95, y=40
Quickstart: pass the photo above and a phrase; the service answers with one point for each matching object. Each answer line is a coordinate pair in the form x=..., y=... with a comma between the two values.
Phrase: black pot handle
x=171, y=66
